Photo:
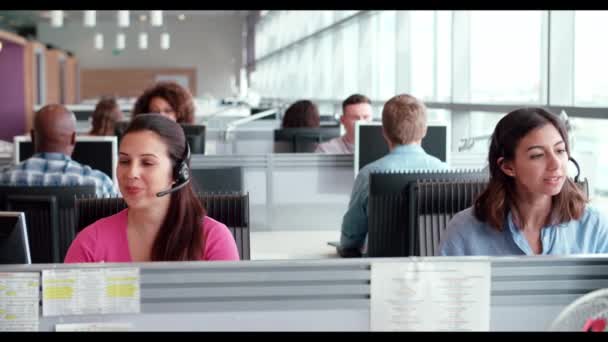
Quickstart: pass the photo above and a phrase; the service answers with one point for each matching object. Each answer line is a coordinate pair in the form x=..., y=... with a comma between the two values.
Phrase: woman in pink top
x=165, y=220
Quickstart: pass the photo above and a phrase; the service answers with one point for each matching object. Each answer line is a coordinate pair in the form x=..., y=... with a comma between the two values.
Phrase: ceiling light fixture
x=181, y=17
x=164, y=41
x=156, y=18
x=89, y=18
x=99, y=41
x=120, y=41
x=143, y=41
x=56, y=18
x=123, y=18
x=143, y=17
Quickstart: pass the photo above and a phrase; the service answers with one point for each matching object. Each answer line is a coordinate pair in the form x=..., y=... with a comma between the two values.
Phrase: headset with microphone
x=578, y=169
x=181, y=174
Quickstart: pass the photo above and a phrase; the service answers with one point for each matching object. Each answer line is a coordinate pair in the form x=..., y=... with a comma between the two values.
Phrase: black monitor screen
x=221, y=179
x=14, y=245
x=99, y=155
x=294, y=140
x=372, y=146
x=194, y=133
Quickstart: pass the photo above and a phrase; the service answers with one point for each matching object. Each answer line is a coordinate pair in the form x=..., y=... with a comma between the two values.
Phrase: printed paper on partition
x=19, y=301
x=90, y=291
x=430, y=296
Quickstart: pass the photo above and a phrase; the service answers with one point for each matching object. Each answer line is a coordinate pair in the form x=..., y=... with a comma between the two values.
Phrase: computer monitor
x=218, y=179
x=195, y=134
x=98, y=152
x=371, y=146
x=296, y=140
x=14, y=244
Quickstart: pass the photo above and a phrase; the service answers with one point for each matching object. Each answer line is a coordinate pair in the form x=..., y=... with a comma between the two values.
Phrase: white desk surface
x=310, y=244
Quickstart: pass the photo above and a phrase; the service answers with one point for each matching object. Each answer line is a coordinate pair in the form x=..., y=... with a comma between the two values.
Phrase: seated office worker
x=169, y=99
x=164, y=219
x=356, y=107
x=530, y=205
x=107, y=112
x=403, y=127
x=301, y=114
x=54, y=138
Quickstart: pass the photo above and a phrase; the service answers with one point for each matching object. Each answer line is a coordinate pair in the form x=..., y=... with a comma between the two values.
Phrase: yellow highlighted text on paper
x=58, y=292
x=121, y=290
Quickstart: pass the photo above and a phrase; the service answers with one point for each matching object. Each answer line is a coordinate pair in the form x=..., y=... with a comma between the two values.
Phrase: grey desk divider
x=527, y=293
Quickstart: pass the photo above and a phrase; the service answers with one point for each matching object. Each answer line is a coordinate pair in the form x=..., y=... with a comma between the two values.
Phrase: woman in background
x=106, y=114
x=169, y=99
x=301, y=113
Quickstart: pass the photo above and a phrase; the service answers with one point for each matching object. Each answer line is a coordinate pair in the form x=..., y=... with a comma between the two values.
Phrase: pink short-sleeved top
x=106, y=241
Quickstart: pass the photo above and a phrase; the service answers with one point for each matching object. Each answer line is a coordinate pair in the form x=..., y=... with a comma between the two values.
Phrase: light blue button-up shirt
x=401, y=158
x=466, y=235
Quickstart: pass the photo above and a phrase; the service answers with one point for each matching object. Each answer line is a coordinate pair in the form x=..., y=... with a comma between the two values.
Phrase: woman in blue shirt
x=530, y=206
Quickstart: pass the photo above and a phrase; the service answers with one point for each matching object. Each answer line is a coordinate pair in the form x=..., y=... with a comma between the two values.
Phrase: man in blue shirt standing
x=54, y=138
x=403, y=126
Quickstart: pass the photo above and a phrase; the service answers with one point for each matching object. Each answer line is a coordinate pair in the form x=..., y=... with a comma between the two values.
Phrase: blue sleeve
x=601, y=239
x=453, y=242
x=354, y=223
x=447, y=247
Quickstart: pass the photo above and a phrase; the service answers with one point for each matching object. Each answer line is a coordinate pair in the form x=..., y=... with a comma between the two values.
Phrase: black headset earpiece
x=181, y=173
x=578, y=169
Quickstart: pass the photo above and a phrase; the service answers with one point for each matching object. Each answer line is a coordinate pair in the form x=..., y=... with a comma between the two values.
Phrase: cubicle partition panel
x=291, y=191
x=13, y=91
x=526, y=293
x=240, y=142
x=53, y=75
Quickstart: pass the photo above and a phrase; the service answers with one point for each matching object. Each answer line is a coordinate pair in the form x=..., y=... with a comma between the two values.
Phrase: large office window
x=465, y=62
x=386, y=57
x=422, y=43
x=505, y=57
x=590, y=56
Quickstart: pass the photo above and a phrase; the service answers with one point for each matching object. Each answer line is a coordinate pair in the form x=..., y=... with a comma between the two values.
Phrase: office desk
x=279, y=245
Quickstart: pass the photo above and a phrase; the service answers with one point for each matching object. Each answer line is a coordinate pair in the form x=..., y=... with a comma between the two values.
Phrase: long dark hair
x=177, y=96
x=494, y=203
x=179, y=237
x=106, y=114
x=303, y=113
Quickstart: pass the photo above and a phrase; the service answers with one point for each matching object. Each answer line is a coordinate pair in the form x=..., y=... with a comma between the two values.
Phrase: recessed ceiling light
x=181, y=17
x=143, y=17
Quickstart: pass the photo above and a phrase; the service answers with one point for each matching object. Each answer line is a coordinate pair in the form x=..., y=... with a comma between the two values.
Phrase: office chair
x=390, y=208
x=230, y=209
x=433, y=203
x=49, y=214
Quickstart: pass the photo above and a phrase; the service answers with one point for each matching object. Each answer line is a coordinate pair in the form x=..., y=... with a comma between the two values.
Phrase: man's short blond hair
x=404, y=119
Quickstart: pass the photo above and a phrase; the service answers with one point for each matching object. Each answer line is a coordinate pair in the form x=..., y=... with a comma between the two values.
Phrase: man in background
x=356, y=107
x=404, y=124
x=54, y=138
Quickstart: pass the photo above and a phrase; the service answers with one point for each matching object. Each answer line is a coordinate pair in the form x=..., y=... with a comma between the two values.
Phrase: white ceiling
x=21, y=18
